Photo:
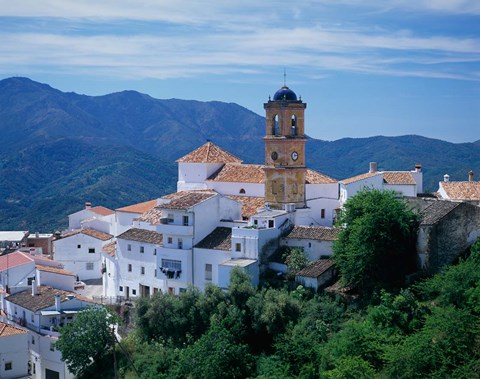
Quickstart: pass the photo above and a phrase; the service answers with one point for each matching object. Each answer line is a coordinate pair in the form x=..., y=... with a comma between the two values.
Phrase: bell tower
x=285, y=149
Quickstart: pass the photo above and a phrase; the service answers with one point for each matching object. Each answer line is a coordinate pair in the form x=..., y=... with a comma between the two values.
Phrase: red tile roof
x=250, y=205
x=219, y=239
x=89, y=232
x=142, y=235
x=110, y=248
x=102, y=211
x=462, y=190
x=359, y=177
x=152, y=216
x=398, y=177
x=209, y=153
x=314, y=177
x=13, y=260
x=55, y=270
x=240, y=173
x=7, y=330
x=186, y=199
x=320, y=233
x=317, y=268
x=139, y=208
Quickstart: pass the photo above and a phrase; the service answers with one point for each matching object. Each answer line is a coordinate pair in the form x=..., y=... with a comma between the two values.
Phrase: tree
x=87, y=339
x=377, y=243
x=295, y=259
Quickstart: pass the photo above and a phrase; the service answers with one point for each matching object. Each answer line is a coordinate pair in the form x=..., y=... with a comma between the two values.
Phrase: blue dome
x=285, y=93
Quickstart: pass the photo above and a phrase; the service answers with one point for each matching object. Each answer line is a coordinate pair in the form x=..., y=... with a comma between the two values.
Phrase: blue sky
x=365, y=68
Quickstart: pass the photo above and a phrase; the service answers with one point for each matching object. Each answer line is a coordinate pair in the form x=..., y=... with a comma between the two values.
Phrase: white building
x=80, y=252
x=41, y=311
x=460, y=190
x=14, y=354
x=125, y=216
x=405, y=183
x=99, y=218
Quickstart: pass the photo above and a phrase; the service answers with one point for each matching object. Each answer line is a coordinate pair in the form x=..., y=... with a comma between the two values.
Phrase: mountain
x=62, y=149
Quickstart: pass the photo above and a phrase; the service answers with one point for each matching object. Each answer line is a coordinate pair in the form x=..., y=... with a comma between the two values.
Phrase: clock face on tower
x=274, y=155
x=294, y=155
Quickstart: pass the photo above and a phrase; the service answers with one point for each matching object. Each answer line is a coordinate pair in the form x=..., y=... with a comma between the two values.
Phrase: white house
x=125, y=216
x=15, y=270
x=80, y=252
x=315, y=241
x=405, y=183
x=14, y=354
x=41, y=310
x=317, y=274
x=460, y=190
x=98, y=217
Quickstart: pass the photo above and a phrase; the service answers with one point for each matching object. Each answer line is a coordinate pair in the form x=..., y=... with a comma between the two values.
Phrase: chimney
x=58, y=305
x=470, y=176
x=37, y=234
x=446, y=178
x=88, y=205
x=34, y=287
x=373, y=167
x=418, y=167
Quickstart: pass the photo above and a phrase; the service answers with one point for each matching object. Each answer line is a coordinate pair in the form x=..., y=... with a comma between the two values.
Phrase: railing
x=109, y=300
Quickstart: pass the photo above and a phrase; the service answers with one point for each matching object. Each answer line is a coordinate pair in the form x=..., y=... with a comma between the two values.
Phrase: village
x=225, y=215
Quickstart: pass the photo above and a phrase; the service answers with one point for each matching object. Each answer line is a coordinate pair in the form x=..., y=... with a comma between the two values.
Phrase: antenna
x=284, y=77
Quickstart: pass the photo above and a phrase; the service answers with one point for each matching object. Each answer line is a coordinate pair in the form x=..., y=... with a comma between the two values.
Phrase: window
x=15, y=310
x=238, y=247
x=208, y=272
x=52, y=346
x=169, y=240
x=309, y=244
x=180, y=243
x=33, y=340
x=134, y=292
x=183, y=290
x=171, y=264
x=32, y=317
x=242, y=191
x=8, y=366
x=154, y=251
x=91, y=250
x=322, y=213
x=129, y=247
x=155, y=276
x=142, y=249
x=270, y=223
x=120, y=289
x=129, y=267
x=79, y=246
x=170, y=218
x=185, y=220
x=255, y=222
x=294, y=126
x=275, y=126
x=142, y=270
x=89, y=266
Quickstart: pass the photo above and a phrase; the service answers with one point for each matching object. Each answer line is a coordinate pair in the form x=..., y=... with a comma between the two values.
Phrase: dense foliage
x=377, y=244
x=429, y=330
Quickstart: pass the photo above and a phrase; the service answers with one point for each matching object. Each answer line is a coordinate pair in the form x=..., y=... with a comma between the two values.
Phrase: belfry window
x=294, y=126
x=275, y=126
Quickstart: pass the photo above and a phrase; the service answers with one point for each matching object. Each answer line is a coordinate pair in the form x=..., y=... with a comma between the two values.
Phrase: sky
x=364, y=68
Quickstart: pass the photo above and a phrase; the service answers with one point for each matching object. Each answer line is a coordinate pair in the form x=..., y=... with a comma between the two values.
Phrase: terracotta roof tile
x=462, y=190
x=219, y=239
x=186, y=199
x=142, y=235
x=152, y=216
x=314, y=177
x=7, y=330
x=44, y=298
x=102, y=211
x=110, y=248
x=209, y=153
x=398, y=177
x=139, y=208
x=241, y=173
x=250, y=205
x=55, y=270
x=320, y=233
x=359, y=177
x=14, y=259
x=89, y=232
x=317, y=268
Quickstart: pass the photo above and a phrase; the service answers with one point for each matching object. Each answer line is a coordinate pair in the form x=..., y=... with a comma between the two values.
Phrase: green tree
x=377, y=243
x=87, y=339
x=295, y=259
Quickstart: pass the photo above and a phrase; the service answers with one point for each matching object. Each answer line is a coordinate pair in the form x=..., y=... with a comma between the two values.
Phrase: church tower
x=285, y=150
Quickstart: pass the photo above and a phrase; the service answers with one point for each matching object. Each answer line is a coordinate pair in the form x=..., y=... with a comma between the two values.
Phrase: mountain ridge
x=112, y=138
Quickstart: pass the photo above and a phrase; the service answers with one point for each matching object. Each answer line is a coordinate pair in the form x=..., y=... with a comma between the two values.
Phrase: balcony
x=174, y=229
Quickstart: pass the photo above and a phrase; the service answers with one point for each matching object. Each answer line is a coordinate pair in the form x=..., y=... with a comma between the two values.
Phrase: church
x=227, y=214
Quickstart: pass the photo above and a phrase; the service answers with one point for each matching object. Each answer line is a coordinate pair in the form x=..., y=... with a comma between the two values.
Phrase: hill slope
x=61, y=149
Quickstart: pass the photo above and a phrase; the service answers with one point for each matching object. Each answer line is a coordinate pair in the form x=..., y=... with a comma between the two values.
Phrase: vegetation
x=377, y=245
x=85, y=342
